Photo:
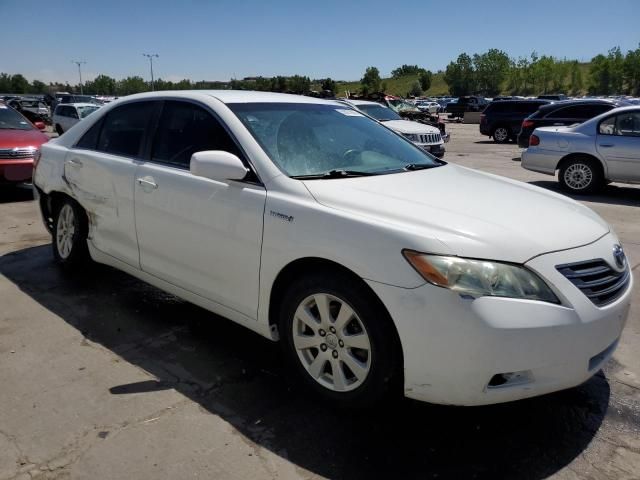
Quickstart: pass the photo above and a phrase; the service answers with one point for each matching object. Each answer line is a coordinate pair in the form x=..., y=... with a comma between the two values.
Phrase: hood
x=474, y=214
x=21, y=138
x=406, y=126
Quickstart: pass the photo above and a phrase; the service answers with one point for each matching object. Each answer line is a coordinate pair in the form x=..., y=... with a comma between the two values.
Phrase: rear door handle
x=606, y=145
x=75, y=163
x=147, y=182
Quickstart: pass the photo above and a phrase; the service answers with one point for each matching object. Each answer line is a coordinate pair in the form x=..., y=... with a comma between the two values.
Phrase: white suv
x=376, y=265
x=67, y=115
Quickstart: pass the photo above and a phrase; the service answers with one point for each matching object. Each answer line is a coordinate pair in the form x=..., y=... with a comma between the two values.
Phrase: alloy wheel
x=501, y=134
x=332, y=343
x=65, y=231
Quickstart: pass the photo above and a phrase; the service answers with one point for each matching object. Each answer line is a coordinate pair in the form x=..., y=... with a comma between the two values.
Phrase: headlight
x=479, y=278
x=411, y=136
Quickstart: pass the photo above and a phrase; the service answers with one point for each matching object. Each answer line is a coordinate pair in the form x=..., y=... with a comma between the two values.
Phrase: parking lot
x=106, y=377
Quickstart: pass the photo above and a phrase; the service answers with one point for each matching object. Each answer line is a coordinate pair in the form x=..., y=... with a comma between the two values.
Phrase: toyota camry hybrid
x=378, y=267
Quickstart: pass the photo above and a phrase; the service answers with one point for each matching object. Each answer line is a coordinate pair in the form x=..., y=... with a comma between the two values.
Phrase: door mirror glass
x=217, y=165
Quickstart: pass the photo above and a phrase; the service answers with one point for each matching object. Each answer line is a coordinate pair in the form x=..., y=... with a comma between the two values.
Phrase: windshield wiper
x=418, y=166
x=335, y=174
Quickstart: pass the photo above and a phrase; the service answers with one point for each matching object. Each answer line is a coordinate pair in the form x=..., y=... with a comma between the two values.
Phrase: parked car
x=568, y=112
x=587, y=156
x=19, y=142
x=501, y=120
x=466, y=104
x=426, y=137
x=69, y=98
x=66, y=116
x=428, y=106
x=553, y=96
x=33, y=106
x=312, y=224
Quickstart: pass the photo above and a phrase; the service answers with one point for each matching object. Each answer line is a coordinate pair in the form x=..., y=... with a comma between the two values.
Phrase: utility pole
x=150, y=57
x=79, y=63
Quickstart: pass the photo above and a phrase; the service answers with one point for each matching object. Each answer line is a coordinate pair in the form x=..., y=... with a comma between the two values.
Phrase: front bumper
x=455, y=347
x=15, y=171
x=436, y=150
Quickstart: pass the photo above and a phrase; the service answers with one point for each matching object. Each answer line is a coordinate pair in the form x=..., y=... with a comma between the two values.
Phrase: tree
x=459, y=76
x=616, y=70
x=490, y=71
x=329, y=84
x=425, y=79
x=600, y=75
x=632, y=71
x=38, y=87
x=299, y=84
x=416, y=89
x=19, y=84
x=405, y=70
x=104, y=85
x=130, y=85
x=575, y=78
x=371, y=80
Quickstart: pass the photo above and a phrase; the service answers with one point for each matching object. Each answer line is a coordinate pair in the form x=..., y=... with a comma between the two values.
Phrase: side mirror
x=39, y=125
x=217, y=165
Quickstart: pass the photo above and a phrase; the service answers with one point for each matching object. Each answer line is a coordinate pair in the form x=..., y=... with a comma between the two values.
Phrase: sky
x=219, y=40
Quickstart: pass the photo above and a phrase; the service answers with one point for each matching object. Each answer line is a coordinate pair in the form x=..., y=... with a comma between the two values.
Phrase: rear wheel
x=501, y=134
x=70, y=235
x=339, y=339
x=581, y=175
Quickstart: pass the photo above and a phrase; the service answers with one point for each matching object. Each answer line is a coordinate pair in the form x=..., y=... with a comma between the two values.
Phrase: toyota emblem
x=618, y=256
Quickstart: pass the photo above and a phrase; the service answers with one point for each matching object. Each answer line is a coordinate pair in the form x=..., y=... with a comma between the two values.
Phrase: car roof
x=581, y=101
x=234, y=96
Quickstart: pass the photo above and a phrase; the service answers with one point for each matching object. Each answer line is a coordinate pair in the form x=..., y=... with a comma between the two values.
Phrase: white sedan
x=603, y=149
x=379, y=268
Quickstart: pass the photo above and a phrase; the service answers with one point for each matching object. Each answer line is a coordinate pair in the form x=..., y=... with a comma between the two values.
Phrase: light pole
x=79, y=63
x=150, y=57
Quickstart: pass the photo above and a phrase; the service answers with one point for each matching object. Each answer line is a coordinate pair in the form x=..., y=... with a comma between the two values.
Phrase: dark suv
x=502, y=119
x=567, y=112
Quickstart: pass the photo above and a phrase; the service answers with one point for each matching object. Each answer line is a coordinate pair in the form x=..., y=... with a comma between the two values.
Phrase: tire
x=365, y=350
x=501, y=134
x=581, y=175
x=59, y=130
x=69, y=236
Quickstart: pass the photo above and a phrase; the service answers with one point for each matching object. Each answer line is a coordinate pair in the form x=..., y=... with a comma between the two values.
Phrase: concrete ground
x=102, y=376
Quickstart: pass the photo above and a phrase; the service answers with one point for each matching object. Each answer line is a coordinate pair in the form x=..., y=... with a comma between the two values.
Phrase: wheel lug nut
x=341, y=343
x=323, y=347
x=332, y=330
x=335, y=354
x=322, y=332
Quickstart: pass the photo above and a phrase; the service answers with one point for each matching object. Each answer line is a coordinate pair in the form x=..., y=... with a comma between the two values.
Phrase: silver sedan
x=587, y=156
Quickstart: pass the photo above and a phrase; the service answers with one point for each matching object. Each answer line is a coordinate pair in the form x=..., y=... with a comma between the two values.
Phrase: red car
x=19, y=141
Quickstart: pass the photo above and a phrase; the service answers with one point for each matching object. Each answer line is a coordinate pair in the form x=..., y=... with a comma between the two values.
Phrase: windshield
x=379, y=112
x=12, y=120
x=312, y=139
x=84, y=111
x=400, y=105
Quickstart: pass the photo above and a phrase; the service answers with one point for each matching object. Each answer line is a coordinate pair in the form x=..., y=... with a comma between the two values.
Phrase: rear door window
x=123, y=130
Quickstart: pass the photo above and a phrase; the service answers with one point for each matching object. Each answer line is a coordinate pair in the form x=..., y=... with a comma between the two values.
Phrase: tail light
x=527, y=124
x=534, y=140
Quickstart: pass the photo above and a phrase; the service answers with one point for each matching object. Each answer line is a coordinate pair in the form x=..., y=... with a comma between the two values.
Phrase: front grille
x=430, y=138
x=596, y=279
x=16, y=153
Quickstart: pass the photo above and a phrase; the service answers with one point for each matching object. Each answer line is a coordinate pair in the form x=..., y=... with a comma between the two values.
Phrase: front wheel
x=70, y=235
x=580, y=176
x=339, y=339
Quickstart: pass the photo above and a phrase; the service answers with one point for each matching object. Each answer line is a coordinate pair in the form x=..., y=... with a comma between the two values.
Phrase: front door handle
x=147, y=182
x=606, y=145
